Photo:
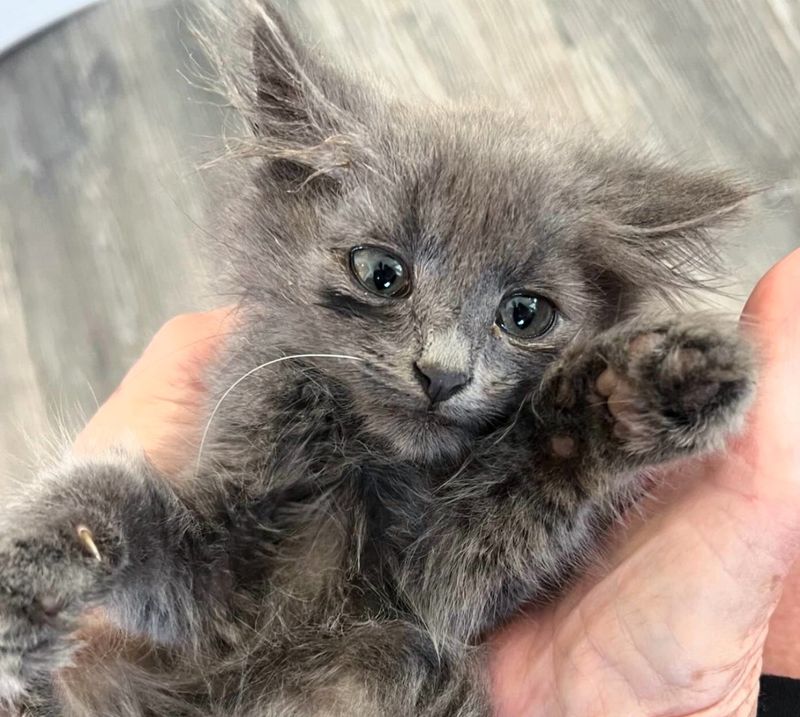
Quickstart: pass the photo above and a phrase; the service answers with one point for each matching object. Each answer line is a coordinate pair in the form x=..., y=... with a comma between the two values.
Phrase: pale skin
x=697, y=595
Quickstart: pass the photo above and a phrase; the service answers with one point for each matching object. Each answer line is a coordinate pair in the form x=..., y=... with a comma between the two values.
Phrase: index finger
x=159, y=404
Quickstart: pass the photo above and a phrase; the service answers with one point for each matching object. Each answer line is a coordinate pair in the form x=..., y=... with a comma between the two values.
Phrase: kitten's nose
x=440, y=383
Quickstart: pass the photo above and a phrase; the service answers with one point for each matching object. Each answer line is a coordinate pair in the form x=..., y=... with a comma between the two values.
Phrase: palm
x=667, y=631
x=678, y=621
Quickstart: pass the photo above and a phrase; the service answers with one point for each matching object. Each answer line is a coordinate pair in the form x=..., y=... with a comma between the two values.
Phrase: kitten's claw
x=87, y=540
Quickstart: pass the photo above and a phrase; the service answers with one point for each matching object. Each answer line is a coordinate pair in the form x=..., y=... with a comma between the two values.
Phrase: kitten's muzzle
x=440, y=383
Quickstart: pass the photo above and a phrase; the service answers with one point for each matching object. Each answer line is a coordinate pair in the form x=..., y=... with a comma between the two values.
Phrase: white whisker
x=247, y=375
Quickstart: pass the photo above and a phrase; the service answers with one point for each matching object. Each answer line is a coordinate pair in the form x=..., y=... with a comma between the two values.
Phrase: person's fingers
x=772, y=315
x=756, y=483
x=157, y=406
x=782, y=649
x=753, y=489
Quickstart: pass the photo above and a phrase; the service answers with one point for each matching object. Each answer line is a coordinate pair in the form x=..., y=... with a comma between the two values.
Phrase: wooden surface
x=100, y=136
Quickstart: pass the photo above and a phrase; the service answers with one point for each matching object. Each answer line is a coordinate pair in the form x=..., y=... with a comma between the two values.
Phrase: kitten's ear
x=662, y=218
x=302, y=115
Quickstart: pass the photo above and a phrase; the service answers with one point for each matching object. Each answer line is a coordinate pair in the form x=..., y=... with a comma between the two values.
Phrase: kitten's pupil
x=524, y=312
x=384, y=276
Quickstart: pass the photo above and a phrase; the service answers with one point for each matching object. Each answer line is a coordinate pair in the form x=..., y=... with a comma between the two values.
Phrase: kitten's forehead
x=470, y=202
x=483, y=183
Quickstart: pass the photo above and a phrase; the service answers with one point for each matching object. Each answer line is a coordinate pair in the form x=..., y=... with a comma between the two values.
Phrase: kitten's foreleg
x=105, y=533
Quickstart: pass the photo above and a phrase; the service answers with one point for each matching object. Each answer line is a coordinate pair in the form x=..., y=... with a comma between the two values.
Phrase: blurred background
x=101, y=137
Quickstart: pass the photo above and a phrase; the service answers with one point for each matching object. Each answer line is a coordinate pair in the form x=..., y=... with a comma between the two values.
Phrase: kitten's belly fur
x=343, y=632
x=318, y=639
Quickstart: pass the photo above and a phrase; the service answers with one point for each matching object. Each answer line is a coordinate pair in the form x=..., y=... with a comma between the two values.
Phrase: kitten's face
x=454, y=252
x=450, y=268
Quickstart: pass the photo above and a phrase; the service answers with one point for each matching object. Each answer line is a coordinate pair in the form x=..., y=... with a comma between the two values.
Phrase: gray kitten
x=355, y=527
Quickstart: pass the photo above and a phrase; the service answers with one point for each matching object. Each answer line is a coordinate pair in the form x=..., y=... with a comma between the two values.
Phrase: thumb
x=755, y=485
x=728, y=541
x=758, y=479
x=772, y=442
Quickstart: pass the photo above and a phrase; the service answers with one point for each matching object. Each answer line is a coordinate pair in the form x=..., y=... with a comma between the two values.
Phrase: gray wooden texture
x=100, y=137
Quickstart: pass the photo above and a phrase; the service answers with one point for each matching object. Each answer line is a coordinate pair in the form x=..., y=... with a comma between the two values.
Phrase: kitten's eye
x=379, y=271
x=527, y=316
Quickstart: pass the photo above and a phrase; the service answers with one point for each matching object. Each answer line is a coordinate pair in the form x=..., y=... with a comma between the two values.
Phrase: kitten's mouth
x=431, y=415
x=426, y=434
x=409, y=416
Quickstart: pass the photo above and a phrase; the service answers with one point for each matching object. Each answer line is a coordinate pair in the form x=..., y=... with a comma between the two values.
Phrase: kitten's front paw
x=675, y=389
x=651, y=391
x=47, y=580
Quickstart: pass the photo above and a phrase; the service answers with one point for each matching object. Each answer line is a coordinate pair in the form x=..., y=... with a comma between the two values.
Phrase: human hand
x=678, y=623
x=160, y=404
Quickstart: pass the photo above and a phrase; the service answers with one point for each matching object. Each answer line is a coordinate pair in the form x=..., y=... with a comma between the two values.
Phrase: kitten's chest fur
x=343, y=513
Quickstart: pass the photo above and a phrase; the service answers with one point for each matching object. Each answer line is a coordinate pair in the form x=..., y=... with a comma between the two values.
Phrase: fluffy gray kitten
x=355, y=527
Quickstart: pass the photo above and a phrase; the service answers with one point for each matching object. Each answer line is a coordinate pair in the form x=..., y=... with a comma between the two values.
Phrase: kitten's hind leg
x=646, y=392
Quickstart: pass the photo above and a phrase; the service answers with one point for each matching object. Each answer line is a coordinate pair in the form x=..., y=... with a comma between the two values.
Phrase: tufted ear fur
x=305, y=112
x=660, y=218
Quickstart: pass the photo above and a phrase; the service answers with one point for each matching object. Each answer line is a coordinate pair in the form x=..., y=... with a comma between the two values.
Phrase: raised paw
x=678, y=389
x=653, y=392
x=48, y=578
